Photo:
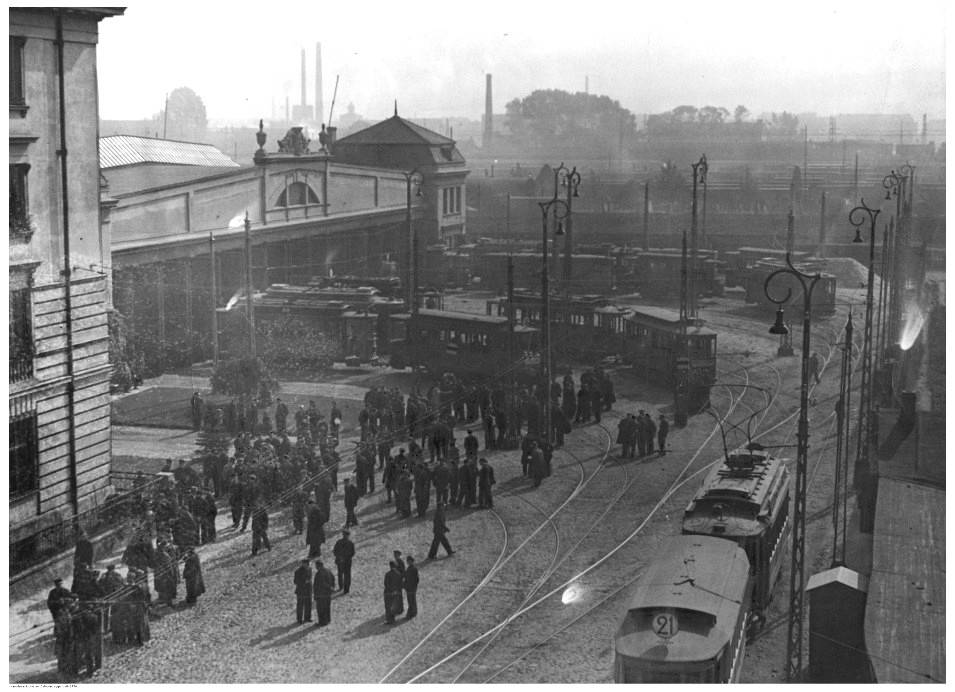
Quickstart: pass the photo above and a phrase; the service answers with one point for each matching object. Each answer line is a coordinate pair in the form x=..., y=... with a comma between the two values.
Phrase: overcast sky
x=828, y=57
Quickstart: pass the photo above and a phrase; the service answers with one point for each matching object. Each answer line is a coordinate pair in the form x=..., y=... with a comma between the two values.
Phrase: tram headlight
x=572, y=593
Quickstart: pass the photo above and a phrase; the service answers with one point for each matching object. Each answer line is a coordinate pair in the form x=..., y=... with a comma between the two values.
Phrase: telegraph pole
x=215, y=315
x=250, y=310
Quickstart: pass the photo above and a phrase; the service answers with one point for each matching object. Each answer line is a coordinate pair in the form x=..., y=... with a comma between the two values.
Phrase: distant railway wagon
x=387, y=286
x=652, y=344
x=580, y=326
x=591, y=273
x=745, y=499
x=823, y=295
x=658, y=274
x=736, y=263
x=686, y=621
x=461, y=343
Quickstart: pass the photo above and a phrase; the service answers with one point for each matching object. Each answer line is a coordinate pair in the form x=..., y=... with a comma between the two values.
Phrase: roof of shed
x=129, y=150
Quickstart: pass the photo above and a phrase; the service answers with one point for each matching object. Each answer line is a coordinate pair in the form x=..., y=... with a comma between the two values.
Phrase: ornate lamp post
x=561, y=211
x=858, y=217
x=411, y=269
x=571, y=181
x=796, y=595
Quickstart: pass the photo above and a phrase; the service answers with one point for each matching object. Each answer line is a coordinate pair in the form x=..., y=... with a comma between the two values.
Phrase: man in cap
x=260, y=530
x=399, y=563
x=410, y=582
x=109, y=585
x=322, y=587
x=303, y=592
x=439, y=529
x=662, y=431
x=344, y=552
x=192, y=575
x=315, y=531
x=485, y=481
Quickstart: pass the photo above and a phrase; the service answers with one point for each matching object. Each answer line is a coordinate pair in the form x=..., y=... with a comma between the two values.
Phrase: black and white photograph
x=540, y=342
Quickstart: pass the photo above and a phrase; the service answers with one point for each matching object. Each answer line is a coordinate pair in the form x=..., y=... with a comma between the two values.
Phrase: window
x=20, y=222
x=21, y=333
x=451, y=201
x=24, y=456
x=17, y=95
x=297, y=194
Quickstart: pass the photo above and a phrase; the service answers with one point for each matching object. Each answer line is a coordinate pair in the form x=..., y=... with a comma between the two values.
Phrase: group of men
x=401, y=578
x=637, y=432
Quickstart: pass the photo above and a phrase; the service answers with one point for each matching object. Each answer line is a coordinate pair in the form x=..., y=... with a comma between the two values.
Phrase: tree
x=671, y=183
x=785, y=123
x=551, y=118
x=740, y=114
x=184, y=117
x=712, y=115
x=244, y=377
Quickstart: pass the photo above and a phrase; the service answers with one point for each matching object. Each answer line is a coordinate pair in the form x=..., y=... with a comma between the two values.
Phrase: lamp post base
x=785, y=351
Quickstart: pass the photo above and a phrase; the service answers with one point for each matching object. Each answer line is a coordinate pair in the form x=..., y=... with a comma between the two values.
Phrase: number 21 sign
x=665, y=624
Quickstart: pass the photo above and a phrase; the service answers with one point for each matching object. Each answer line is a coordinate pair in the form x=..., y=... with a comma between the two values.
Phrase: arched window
x=297, y=194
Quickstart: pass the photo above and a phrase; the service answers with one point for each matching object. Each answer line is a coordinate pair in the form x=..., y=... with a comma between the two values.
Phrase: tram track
x=493, y=633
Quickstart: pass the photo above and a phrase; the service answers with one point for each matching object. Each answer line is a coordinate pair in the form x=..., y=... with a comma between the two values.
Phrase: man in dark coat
x=453, y=482
x=422, y=487
x=109, y=586
x=195, y=408
x=662, y=431
x=485, y=481
x=538, y=467
x=236, y=491
x=441, y=476
x=323, y=495
x=651, y=432
x=83, y=554
x=166, y=578
x=87, y=638
x=596, y=402
x=315, y=531
x=344, y=552
x=439, y=529
x=260, y=530
x=399, y=563
x=298, y=500
x=192, y=575
x=583, y=405
x=281, y=416
x=322, y=588
x=389, y=476
x=489, y=424
x=469, y=474
x=410, y=582
x=641, y=435
x=627, y=436
x=250, y=496
x=394, y=582
x=58, y=597
x=303, y=592
x=470, y=445
x=403, y=495
x=351, y=502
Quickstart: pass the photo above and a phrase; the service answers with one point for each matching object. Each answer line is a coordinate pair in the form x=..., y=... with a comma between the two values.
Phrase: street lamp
x=700, y=169
x=561, y=211
x=411, y=269
x=796, y=595
x=571, y=181
x=858, y=217
x=894, y=184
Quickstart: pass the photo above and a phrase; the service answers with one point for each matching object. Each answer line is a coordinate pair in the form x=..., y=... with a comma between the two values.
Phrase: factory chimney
x=319, y=104
x=304, y=98
x=488, y=114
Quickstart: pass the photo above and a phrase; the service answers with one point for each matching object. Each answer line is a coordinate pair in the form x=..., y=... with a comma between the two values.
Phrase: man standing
x=651, y=432
x=538, y=467
x=485, y=481
x=323, y=587
x=662, y=431
x=399, y=563
x=315, y=533
x=344, y=552
x=469, y=476
x=303, y=593
x=281, y=416
x=422, y=487
x=192, y=575
x=470, y=445
x=260, y=530
x=403, y=494
x=441, y=477
x=195, y=406
x=351, y=502
x=298, y=507
x=58, y=597
x=410, y=580
x=439, y=529
x=641, y=434
x=453, y=481
x=393, y=584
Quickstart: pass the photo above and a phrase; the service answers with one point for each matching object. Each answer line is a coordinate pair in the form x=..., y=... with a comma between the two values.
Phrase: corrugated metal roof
x=128, y=150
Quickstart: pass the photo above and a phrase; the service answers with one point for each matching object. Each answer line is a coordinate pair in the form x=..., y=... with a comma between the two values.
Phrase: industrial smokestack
x=304, y=98
x=924, y=128
x=586, y=84
x=319, y=103
x=488, y=114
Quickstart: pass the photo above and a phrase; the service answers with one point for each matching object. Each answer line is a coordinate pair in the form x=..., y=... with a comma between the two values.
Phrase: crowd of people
x=411, y=441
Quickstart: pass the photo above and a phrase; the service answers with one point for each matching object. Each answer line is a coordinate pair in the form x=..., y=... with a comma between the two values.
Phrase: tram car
x=745, y=499
x=686, y=622
x=580, y=326
x=736, y=263
x=651, y=343
x=658, y=273
x=823, y=295
x=462, y=343
x=591, y=273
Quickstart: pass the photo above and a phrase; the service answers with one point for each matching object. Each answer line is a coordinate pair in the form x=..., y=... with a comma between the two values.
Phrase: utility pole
x=822, y=225
x=213, y=301
x=646, y=216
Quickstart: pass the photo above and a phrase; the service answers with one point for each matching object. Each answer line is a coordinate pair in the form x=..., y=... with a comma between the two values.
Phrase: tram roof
x=464, y=317
x=664, y=317
x=752, y=486
x=700, y=574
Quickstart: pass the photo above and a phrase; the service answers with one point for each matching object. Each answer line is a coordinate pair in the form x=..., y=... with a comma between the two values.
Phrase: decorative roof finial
x=396, y=108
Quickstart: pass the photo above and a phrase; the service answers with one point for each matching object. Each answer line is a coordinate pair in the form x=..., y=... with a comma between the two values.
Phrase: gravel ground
x=243, y=629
